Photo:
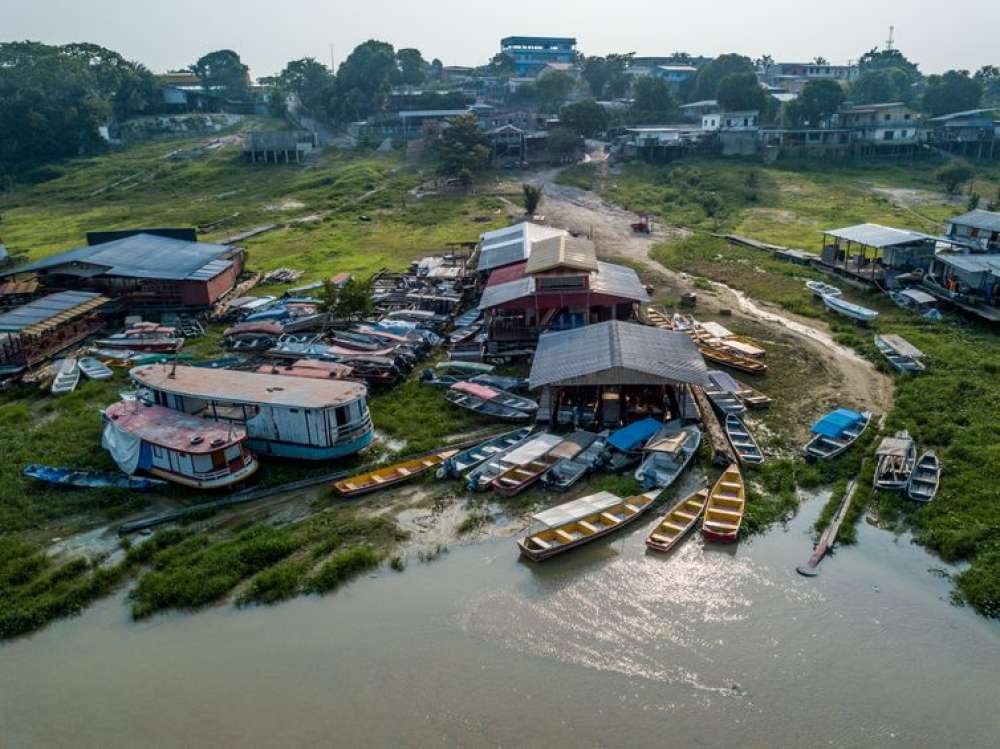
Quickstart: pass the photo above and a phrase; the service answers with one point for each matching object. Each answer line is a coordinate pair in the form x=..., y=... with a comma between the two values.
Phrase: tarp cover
x=577, y=509
x=125, y=448
x=532, y=449
x=634, y=435
x=896, y=446
x=480, y=391
x=834, y=424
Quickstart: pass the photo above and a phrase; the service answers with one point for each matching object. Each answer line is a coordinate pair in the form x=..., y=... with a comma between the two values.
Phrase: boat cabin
x=969, y=281
x=37, y=331
x=289, y=417
x=872, y=252
x=615, y=373
x=188, y=450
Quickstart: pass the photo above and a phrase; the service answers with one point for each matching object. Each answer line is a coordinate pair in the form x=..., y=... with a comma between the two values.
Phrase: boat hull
x=221, y=482
x=653, y=542
x=309, y=452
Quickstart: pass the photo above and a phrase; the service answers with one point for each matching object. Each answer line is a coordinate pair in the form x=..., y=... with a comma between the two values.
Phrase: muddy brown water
x=607, y=646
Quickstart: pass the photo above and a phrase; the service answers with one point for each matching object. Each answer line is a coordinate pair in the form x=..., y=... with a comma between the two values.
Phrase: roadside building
x=614, y=373
x=37, y=331
x=513, y=145
x=805, y=142
x=971, y=133
x=890, y=123
x=875, y=253
x=532, y=53
x=977, y=229
x=144, y=270
x=792, y=76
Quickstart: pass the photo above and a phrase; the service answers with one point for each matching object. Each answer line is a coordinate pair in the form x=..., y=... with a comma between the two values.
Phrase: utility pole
x=888, y=43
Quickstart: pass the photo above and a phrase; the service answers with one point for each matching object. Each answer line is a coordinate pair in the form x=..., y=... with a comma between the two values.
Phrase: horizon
x=186, y=30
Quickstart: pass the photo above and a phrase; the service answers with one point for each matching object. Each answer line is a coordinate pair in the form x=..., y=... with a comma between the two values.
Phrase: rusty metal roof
x=42, y=315
x=224, y=385
x=174, y=430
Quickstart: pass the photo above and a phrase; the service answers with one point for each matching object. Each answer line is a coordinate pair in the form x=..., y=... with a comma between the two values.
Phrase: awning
x=577, y=509
x=836, y=423
x=632, y=436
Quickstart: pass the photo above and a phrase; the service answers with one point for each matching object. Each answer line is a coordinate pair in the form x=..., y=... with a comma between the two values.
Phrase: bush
x=274, y=585
x=343, y=566
x=953, y=175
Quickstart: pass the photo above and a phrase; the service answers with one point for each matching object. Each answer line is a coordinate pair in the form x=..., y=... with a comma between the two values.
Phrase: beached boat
x=848, y=309
x=567, y=472
x=519, y=477
x=744, y=445
x=468, y=368
x=925, y=478
x=67, y=377
x=730, y=359
x=752, y=397
x=459, y=464
x=89, y=479
x=895, y=458
x=678, y=521
x=747, y=395
x=683, y=323
x=835, y=433
x=310, y=368
x=149, y=342
x=667, y=454
x=575, y=523
x=625, y=444
x=481, y=477
x=724, y=400
x=820, y=289
x=901, y=354
x=94, y=369
x=658, y=320
x=725, y=507
x=185, y=449
x=488, y=401
x=397, y=473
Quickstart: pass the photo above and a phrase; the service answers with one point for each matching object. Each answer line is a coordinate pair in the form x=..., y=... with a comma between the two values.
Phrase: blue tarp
x=834, y=424
x=634, y=435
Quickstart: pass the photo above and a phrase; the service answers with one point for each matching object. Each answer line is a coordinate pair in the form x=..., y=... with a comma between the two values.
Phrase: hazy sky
x=267, y=33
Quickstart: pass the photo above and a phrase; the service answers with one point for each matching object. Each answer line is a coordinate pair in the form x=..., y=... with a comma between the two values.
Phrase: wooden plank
x=722, y=452
x=829, y=536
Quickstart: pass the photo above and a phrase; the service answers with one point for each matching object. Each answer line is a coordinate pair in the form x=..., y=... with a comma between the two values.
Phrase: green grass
x=342, y=567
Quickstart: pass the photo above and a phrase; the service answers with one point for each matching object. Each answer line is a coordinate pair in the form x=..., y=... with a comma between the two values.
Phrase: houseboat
x=188, y=450
x=288, y=417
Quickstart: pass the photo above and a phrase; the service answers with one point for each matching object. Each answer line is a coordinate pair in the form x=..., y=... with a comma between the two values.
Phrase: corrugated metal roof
x=616, y=345
x=141, y=256
x=247, y=387
x=561, y=252
x=972, y=263
x=174, y=430
x=41, y=314
x=876, y=235
x=610, y=279
x=512, y=244
x=979, y=219
x=494, y=296
x=210, y=270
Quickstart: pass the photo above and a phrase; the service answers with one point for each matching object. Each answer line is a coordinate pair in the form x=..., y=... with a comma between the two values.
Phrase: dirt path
x=847, y=376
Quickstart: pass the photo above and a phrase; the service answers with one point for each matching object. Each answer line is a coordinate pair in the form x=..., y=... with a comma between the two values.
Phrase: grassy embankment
x=321, y=233
x=951, y=408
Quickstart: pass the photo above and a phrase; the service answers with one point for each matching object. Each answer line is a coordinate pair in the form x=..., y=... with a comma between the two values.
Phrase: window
x=158, y=451
x=888, y=117
x=341, y=414
x=561, y=282
x=232, y=452
x=203, y=463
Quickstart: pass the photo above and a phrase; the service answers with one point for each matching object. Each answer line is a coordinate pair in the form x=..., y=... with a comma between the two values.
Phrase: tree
x=562, y=141
x=130, y=87
x=989, y=78
x=606, y=75
x=953, y=175
x=709, y=77
x=586, y=118
x=819, y=99
x=881, y=86
x=437, y=69
x=463, y=146
x=352, y=301
x=653, y=102
x=532, y=198
x=411, y=67
x=741, y=92
x=224, y=70
x=955, y=91
x=888, y=59
x=312, y=82
x=364, y=80
x=553, y=88
x=820, y=61
x=502, y=65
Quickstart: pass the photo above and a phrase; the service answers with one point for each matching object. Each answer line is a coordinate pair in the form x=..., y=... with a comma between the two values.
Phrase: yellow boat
x=676, y=523
x=582, y=520
x=382, y=478
x=657, y=319
x=728, y=358
x=725, y=508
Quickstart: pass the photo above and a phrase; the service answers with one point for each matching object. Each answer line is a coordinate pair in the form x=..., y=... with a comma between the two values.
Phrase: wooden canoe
x=677, y=522
x=744, y=445
x=559, y=538
x=726, y=504
x=729, y=359
x=517, y=478
x=926, y=476
x=658, y=320
x=382, y=478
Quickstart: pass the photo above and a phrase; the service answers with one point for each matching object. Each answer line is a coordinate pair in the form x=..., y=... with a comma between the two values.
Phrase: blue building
x=532, y=53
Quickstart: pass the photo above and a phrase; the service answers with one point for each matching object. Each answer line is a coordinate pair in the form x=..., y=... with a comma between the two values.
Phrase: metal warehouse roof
x=614, y=353
x=561, y=252
x=876, y=235
x=512, y=244
x=609, y=279
x=972, y=263
x=228, y=386
x=142, y=256
x=49, y=311
x=978, y=219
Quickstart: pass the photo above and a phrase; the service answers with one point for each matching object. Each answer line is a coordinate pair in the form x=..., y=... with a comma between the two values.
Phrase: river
x=608, y=646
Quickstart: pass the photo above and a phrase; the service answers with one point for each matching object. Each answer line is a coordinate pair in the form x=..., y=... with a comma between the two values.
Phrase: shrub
x=343, y=566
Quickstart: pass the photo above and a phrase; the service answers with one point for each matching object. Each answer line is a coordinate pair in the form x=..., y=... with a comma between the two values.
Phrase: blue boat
x=626, y=443
x=89, y=479
x=474, y=456
x=836, y=432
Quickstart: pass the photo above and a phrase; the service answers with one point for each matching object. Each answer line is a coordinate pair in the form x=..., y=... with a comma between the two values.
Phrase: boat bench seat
x=610, y=518
x=587, y=526
x=729, y=485
x=660, y=539
x=684, y=515
x=538, y=541
x=633, y=508
x=725, y=513
x=720, y=525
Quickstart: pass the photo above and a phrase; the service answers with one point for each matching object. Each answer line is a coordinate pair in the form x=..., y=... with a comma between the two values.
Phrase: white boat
x=522, y=453
x=94, y=369
x=901, y=354
x=847, y=309
x=667, y=453
x=820, y=289
x=67, y=377
x=896, y=458
x=925, y=478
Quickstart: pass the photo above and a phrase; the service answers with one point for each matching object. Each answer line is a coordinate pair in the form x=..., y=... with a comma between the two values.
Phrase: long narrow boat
x=820, y=289
x=567, y=472
x=89, y=479
x=902, y=355
x=465, y=461
x=575, y=523
x=625, y=445
x=747, y=395
x=895, y=459
x=744, y=445
x=481, y=477
x=67, y=377
x=752, y=397
x=489, y=401
x=847, y=309
x=667, y=454
x=147, y=342
x=678, y=522
x=725, y=507
x=657, y=319
x=517, y=478
x=730, y=359
x=95, y=369
x=383, y=478
x=925, y=479
x=835, y=433
x=469, y=368
x=725, y=401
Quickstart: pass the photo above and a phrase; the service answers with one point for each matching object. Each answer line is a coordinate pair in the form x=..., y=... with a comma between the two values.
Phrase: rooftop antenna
x=888, y=42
